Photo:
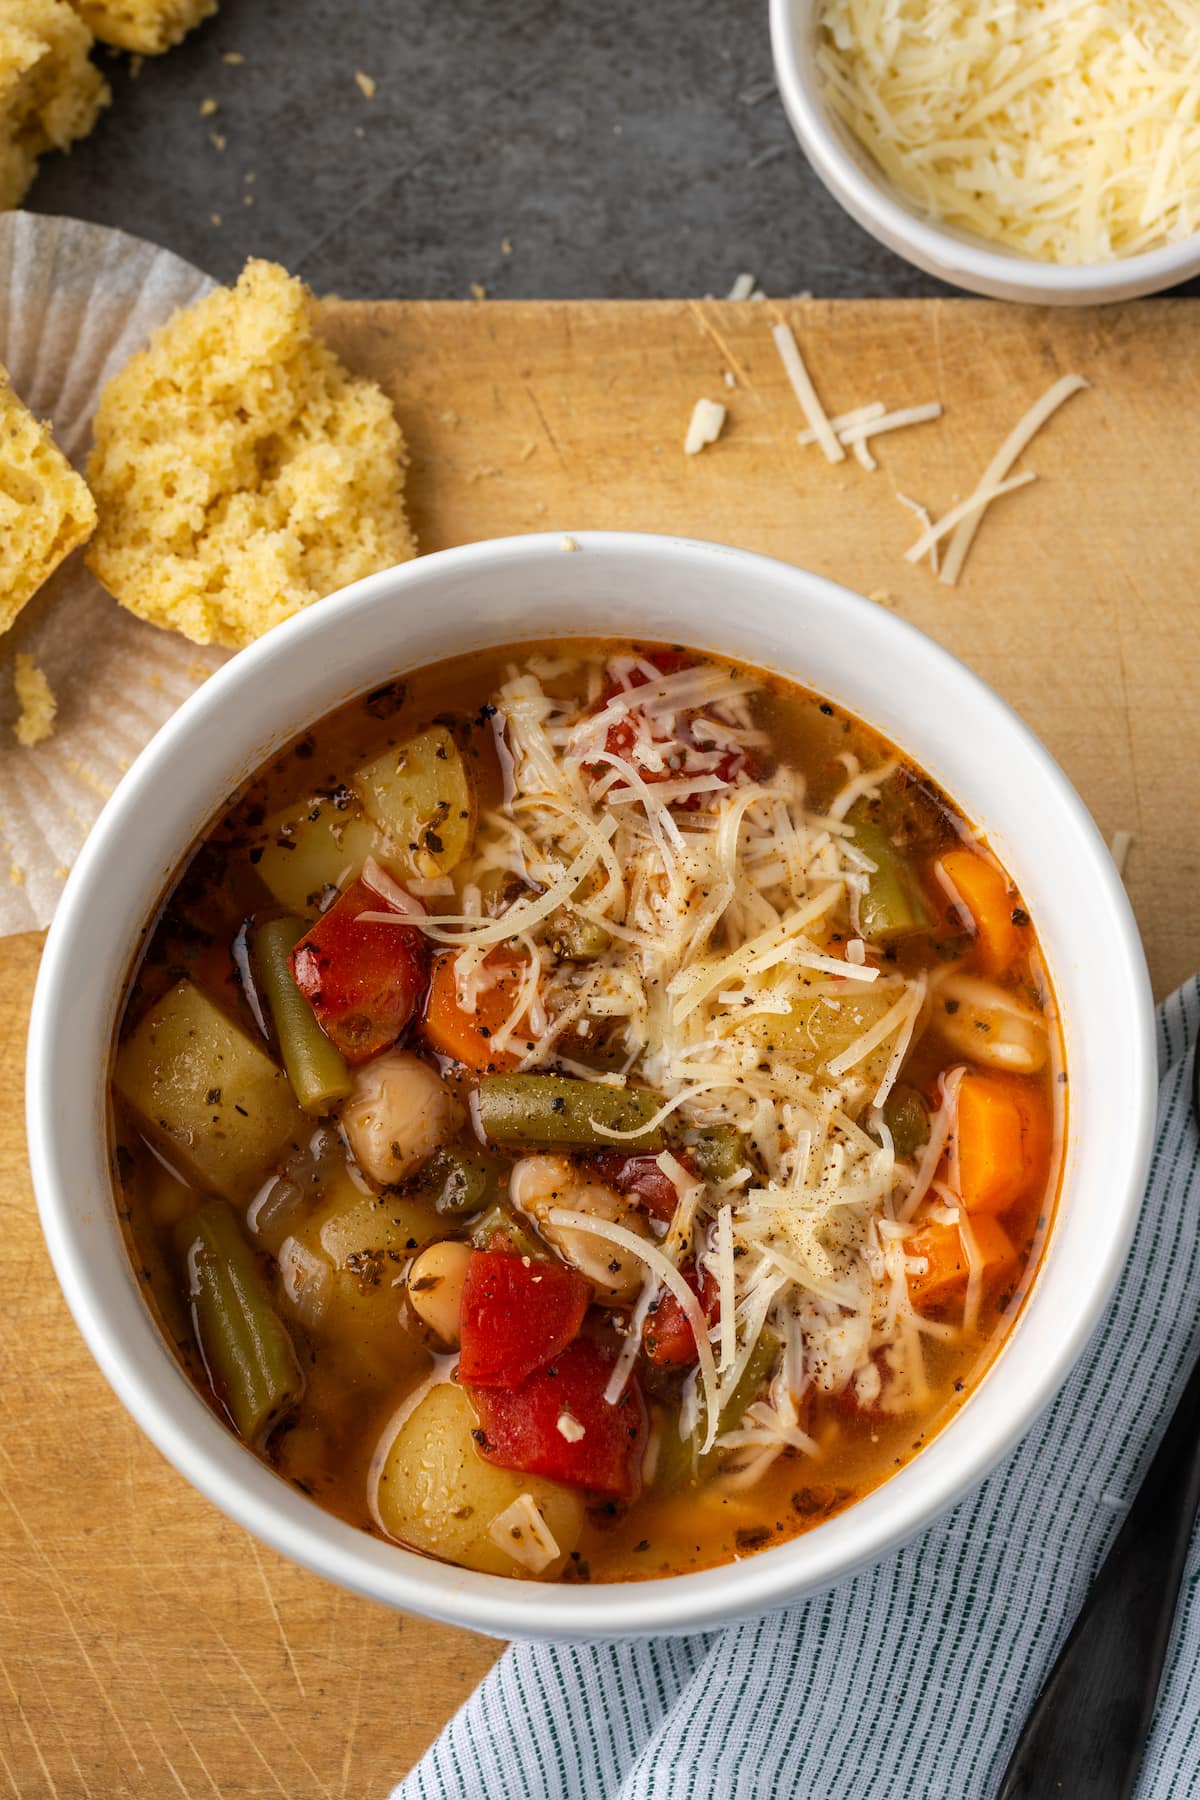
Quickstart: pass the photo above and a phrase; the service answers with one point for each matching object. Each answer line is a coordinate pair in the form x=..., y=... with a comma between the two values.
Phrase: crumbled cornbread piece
x=240, y=472
x=36, y=699
x=366, y=85
x=45, y=509
x=50, y=91
x=148, y=26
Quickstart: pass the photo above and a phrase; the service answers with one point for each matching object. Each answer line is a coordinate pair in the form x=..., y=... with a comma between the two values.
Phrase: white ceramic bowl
x=667, y=588
x=855, y=179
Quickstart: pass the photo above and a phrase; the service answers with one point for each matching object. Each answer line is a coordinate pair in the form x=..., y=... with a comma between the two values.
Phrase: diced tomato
x=523, y=1428
x=667, y=662
x=641, y=1178
x=667, y=1335
x=363, y=980
x=467, y=1036
x=516, y=1316
x=621, y=738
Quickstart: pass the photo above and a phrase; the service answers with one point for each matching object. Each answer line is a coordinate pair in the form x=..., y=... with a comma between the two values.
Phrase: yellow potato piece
x=369, y=1241
x=822, y=1026
x=220, y=1108
x=420, y=795
x=436, y=1493
x=303, y=855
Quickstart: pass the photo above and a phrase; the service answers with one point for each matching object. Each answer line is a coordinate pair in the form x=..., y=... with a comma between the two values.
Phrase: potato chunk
x=822, y=1026
x=221, y=1109
x=420, y=795
x=436, y=1492
x=312, y=846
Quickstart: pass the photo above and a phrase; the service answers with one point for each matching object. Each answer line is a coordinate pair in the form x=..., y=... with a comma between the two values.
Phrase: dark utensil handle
x=1086, y=1734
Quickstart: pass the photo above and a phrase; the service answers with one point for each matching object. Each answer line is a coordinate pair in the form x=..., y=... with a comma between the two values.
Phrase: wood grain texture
x=150, y=1648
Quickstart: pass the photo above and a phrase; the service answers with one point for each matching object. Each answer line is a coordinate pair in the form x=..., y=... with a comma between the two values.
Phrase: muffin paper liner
x=76, y=301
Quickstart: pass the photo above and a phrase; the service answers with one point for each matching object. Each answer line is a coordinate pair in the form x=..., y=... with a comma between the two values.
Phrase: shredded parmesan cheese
x=522, y=1533
x=727, y=911
x=993, y=482
x=806, y=393
x=1069, y=133
x=704, y=427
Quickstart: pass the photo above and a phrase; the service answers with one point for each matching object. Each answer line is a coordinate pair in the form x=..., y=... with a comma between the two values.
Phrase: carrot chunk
x=1001, y=1149
x=451, y=1030
x=946, y=1265
x=983, y=890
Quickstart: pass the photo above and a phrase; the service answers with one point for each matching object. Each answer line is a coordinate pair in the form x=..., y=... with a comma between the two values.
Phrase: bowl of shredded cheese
x=1047, y=151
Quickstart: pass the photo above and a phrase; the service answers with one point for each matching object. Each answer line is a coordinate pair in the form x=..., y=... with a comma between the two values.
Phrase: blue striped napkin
x=912, y=1680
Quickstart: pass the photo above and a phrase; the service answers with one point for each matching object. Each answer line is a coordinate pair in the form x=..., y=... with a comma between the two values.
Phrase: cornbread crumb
x=366, y=85
x=478, y=291
x=35, y=697
x=148, y=26
x=233, y=57
x=208, y=107
x=240, y=472
x=45, y=509
x=50, y=91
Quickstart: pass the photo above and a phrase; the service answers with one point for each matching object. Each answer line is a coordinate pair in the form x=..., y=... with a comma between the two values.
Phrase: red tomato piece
x=521, y=1428
x=641, y=1178
x=363, y=980
x=622, y=736
x=516, y=1316
x=667, y=1335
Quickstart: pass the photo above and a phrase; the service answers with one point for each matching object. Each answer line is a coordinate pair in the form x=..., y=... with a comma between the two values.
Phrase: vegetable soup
x=587, y=1111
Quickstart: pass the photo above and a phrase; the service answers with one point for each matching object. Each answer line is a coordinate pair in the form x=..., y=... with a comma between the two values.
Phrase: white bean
x=400, y=1111
x=538, y=1184
x=435, y=1286
x=990, y=1025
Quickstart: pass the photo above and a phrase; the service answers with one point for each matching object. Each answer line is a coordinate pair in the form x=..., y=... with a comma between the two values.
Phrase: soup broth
x=587, y=1111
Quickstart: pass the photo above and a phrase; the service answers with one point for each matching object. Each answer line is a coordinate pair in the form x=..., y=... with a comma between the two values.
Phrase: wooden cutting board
x=149, y=1647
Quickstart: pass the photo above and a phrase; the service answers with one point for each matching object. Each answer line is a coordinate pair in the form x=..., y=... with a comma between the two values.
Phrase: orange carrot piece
x=946, y=1271
x=1001, y=1146
x=983, y=889
x=466, y=1036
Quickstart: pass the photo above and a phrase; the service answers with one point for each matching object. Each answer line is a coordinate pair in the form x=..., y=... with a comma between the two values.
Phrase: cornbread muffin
x=45, y=509
x=146, y=26
x=50, y=92
x=35, y=697
x=240, y=472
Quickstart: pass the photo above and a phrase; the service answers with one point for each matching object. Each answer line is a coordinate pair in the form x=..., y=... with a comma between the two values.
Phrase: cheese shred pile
x=732, y=980
x=1068, y=130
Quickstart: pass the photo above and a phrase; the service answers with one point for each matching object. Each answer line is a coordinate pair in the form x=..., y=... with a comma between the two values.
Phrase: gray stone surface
x=627, y=148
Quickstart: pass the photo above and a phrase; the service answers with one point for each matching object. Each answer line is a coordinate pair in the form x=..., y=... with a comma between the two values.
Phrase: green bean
x=501, y=1221
x=248, y=1351
x=553, y=1109
x=456, y=1180
x=892, y=906
x=314, y=1067
x=573, y=936
x=681, y=1460
x=719, y=1152
x=907, y=1118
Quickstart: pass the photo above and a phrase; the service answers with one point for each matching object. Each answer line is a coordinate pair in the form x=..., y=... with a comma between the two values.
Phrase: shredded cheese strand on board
x=806, y=393
x=993, y=476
